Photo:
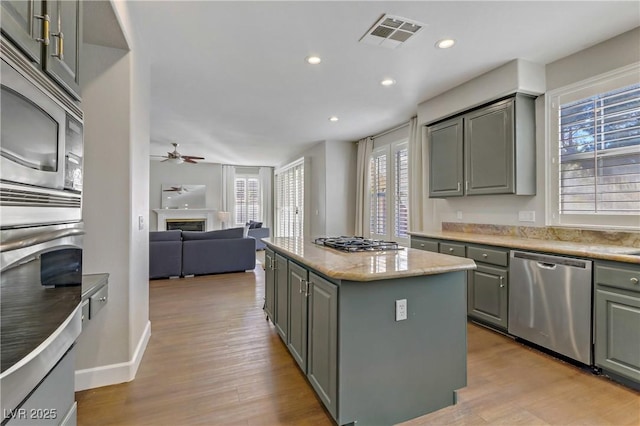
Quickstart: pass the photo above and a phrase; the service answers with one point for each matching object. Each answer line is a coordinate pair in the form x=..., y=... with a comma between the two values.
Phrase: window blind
x=378, y=194
x=401, y=227
x=247, y=200
x=600, y=153
x=290, y=201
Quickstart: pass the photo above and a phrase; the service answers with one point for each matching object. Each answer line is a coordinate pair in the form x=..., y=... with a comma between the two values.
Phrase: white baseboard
x=114, y=373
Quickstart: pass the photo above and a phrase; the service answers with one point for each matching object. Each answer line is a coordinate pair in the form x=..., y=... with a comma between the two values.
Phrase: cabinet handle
x=466, y=185
x=45, y=29
x=60, y=45
x=451, y=249
x=306, y=289
x=458, y=186
x=501, y=281
x=300, y=289
x=421, y=244
x=634, y=280
x=485, y=255
x=103, y=299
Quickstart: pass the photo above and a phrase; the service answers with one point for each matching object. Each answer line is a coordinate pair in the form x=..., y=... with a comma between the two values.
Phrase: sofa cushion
x=173, y=235
x=211, y=235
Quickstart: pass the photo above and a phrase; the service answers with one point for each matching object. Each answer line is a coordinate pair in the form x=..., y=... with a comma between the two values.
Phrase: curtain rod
x=393, y=129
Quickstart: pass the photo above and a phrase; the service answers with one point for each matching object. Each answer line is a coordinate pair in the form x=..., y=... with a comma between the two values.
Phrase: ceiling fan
x=177, y=158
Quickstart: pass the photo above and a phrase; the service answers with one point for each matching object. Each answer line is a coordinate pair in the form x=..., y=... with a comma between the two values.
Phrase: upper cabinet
x=50, y=35
x=489, y=150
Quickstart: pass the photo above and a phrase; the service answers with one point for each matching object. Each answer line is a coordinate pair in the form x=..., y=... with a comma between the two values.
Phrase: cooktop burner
x=355, y=244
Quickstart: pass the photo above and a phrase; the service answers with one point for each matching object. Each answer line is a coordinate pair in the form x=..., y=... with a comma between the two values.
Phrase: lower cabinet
x=322, y=365
x=297, y=337
x=617, y=319
x=487, y=295
x=282, y=296
x=269, y=284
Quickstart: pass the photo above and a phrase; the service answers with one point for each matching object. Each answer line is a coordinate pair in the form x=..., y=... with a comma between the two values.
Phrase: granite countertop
x=368, y=266
x=590, y=250
x=92, y=283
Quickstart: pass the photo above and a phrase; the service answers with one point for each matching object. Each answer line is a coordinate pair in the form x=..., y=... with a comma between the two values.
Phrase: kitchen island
x=341, y=317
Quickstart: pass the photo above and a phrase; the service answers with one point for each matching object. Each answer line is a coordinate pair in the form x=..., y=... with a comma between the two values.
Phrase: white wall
x=162, y=173
x=503, y=209
x=330, y=183
x=115, y=92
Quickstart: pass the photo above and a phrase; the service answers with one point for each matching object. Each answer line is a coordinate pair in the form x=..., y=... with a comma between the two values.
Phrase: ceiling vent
x=391, y=31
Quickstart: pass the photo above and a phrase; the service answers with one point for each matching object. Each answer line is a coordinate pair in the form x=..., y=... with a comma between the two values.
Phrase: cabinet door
x=22, y=23
x=617, y=346
x=282, y=297
x=269, y=284
x=322, y=367
x=487, y=295
x=445, y=159
x=489, y=150
x=62, y=56
x=297, y=336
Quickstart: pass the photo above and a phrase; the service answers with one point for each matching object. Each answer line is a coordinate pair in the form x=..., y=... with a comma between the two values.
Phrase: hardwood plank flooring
x=213, y=360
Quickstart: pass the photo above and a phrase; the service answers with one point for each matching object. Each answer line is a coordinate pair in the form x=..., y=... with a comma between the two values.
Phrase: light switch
x=140, y=222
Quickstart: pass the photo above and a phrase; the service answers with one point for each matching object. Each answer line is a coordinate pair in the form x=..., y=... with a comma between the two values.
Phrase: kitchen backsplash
x=588, y=236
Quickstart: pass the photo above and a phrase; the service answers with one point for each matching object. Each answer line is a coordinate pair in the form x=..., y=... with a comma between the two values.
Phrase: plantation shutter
x=290, y=201
x=240, y=204
x=600, y=153
x=378, y=193
x=401, y=227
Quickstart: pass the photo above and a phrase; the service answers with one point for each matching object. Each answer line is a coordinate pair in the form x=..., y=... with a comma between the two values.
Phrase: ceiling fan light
x=176, y=160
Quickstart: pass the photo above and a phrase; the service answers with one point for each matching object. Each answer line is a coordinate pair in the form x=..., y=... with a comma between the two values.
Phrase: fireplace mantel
x=207, y=215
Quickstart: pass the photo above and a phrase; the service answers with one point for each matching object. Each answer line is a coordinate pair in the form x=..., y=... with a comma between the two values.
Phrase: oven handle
x=38, y=239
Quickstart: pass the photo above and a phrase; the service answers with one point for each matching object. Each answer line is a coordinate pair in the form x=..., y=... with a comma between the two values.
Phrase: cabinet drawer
x=97, y=301
x=618, y=275
x=424, y=244
x=488, y=255
x=452, y=249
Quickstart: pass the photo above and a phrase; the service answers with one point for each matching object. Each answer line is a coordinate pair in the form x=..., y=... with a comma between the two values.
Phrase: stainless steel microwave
x=41, y=153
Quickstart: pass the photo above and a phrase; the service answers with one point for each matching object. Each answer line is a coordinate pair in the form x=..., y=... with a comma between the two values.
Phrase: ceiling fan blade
x=191, y=157
x=166, y=159
x=189, y=160
x=155, y=155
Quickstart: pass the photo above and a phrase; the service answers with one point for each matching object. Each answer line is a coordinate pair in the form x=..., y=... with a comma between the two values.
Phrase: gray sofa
x=165, y=254
x=259, y=233
x=200, y=253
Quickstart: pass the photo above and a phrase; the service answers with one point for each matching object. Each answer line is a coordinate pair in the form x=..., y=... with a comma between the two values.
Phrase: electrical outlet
x=459, y=214
x=527, y=216
x=401, y=309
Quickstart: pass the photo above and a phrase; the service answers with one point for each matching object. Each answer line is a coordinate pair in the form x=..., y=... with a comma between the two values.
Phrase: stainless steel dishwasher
x=550, y=303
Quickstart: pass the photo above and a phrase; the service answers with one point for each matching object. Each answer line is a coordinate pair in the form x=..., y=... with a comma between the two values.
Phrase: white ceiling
x=229, y=81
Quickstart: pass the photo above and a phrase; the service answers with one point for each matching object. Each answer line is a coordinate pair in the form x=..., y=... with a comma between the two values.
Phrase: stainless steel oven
x=40, y=314
x=41, y=152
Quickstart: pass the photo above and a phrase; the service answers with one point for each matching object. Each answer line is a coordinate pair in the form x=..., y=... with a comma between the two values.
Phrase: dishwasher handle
x=546, y=265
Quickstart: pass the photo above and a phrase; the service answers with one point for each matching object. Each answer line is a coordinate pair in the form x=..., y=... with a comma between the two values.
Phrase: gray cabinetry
x=269, y=284
x=49, y=33
x=282, y=296
x=322, y=368
x=446, y=159
x=487, y=295
x=617, y=319
x=62, y=56
x=297, y=336
x=424, y=244
x=453, y=249
x=489, y=150
x=22, y=22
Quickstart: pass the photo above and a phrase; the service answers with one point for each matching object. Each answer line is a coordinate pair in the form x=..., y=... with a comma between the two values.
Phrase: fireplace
x=186, y=224
x=206, y=219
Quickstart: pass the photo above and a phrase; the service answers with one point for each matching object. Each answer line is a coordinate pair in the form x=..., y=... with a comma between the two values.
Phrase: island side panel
x=391, y=371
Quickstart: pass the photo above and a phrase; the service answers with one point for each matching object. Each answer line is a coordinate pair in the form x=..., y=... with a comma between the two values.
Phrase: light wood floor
x=213, y=360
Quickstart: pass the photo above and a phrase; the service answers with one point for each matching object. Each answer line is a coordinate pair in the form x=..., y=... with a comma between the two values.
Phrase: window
x=247, y=199
x=595, y=134
x=389, y=206
x=290, y=200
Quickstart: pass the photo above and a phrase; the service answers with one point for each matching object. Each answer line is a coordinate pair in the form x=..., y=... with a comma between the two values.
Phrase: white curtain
x=266, y=184
x=228, y=190
x=365, y=146
x=417, y=163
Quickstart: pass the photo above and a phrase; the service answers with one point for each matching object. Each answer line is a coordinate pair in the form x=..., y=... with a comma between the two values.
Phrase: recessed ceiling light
x=445, y=43
x=333, y=118
x=388, y=82
x=313, y=60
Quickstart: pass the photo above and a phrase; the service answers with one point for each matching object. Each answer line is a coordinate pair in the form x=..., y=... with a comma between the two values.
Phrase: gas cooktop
x=356, y=244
